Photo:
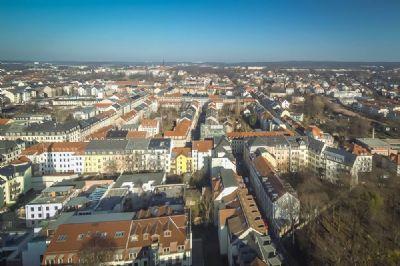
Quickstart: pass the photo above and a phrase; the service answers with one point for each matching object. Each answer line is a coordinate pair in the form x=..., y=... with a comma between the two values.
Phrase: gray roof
x=137, y=144
x=11, y=170
x=228, y=178
x=106, y=145
x=7, y=146
x=340, y=155
x=268, y=141
x=373, y=143
x=77, y=201
x=50, y=126
x=315, y=145
x=57, y=189
x=101, y=217
x=158, y=177
x=159, y=144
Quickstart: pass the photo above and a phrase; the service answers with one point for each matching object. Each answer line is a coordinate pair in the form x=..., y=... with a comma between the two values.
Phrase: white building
x=48, y=204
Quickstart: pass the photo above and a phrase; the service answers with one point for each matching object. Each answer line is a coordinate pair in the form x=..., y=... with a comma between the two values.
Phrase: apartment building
x=243, y=234
x=201, y=154
x=181, y=160
x=151, y=126
x=277, y=200
x=165, y=240
x=15, y=179
x=10, y=150
x=181, y=134
x=297, y=153
x=49, y=203
x=45, y=132
x=57, y=157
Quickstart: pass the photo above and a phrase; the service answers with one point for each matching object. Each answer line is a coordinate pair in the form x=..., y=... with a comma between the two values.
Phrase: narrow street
x=201, y=120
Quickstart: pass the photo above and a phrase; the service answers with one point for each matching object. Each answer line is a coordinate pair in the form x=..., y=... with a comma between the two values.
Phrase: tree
x=206, y=207
x=291, y=210
x=252, y=120
x=359, y=127
x=96, y=250
x=111, y=167
x=313, y=105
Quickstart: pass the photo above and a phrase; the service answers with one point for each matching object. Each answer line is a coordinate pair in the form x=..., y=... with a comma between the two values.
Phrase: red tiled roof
x=69, y=239
x=77, y=147
x=129, y=115
x=99, y=134
x=263, y=166
x=202, y=145
x=136, y=134
x=149, y=123
x=181, y=150
x=181, y=129
x=4, y=121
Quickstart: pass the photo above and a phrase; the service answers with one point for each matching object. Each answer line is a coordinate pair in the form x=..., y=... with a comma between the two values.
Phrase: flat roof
x=101, y=217
x=373, y=143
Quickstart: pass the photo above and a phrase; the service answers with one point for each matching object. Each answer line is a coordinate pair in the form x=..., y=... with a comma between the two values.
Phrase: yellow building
x=105, y=156
x=181, y=161
x=104, y=163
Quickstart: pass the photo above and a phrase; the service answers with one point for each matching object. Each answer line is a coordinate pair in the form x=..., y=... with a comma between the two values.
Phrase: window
x=145, y=236
x=32, y=216
x=167, y=233
x=118, y=257
x=81, y=236
x=40, y=215
x=60, y=261
x=32, y=209
x=39, y=208
x=132, y=255
x=62, y=238
x=166, y=250
x=119, y=234
x=69, y=260
x=134, y=237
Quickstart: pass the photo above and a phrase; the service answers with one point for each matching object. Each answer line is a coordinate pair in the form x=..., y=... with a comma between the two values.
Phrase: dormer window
x=134, y=238
x=119, y=234
x=62, y=238
x=145, y=236
x=154, y=238
x=167, y=233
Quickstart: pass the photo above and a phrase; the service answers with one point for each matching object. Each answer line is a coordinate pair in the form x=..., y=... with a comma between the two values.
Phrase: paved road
x=198, y=254
x=201, y=120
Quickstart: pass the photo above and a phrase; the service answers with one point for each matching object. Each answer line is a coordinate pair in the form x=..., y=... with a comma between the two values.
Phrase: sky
x=200, y=31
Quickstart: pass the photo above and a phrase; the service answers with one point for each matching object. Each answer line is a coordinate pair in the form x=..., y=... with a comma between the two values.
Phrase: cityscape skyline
x=199, y=31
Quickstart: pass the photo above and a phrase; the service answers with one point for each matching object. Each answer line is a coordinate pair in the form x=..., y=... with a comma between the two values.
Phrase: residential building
x=181, y=160
x=201, y=154
x=15, y=180
x=10, y=150
x=152, y=241
x=151, y=126
x=49, y=203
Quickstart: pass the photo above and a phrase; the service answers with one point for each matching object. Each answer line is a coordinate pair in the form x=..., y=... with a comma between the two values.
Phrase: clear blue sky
x=191, y=30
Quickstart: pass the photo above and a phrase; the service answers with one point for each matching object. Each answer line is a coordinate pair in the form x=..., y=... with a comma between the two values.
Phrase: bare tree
x=111, y=167
x=97, y=250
